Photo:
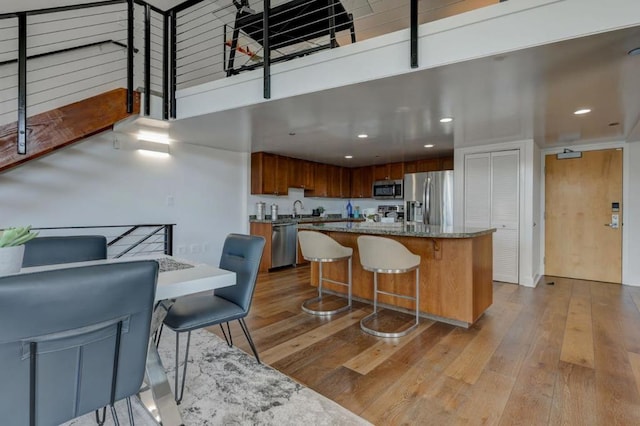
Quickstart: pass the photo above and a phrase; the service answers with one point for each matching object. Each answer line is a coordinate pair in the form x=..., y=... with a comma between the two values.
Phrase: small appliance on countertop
x=261, y=206
x=389, y=213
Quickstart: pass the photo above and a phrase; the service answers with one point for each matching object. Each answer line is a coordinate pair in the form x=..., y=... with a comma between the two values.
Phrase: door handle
x=615, y=222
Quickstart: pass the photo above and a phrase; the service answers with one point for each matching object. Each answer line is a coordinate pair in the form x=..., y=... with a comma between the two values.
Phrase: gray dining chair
x=241, y=254
x=64, y=249
x=73, y=340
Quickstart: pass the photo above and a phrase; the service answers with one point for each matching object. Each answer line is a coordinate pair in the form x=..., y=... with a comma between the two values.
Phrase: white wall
x=631, y=220
x=91, y=183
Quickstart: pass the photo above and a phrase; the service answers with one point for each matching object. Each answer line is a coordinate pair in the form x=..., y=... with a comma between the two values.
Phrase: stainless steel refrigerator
x=428, y=197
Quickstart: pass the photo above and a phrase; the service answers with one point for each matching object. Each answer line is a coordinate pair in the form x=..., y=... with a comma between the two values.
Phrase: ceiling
x=526, y=94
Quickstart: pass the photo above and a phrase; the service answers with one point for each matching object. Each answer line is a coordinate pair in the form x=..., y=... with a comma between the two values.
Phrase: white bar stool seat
x=387, y=256
x=318, y=247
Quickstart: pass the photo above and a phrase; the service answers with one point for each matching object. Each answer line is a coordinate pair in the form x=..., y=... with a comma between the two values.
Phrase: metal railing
x=219, y=38
x=123, y=240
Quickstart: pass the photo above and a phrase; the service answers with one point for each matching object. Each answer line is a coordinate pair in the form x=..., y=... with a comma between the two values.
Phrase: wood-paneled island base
x=456, y=268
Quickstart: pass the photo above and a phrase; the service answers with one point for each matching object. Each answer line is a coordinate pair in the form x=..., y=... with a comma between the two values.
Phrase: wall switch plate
x=170, y=200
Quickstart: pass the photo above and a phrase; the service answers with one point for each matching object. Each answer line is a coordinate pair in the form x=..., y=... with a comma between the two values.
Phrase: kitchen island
x=456, y=268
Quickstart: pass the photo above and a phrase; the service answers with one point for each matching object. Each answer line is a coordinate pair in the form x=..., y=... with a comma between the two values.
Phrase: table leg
x=157, y=396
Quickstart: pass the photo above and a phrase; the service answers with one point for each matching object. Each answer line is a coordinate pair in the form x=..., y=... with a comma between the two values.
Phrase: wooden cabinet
x=429, y=165
x=345, y=182
x=333, y=176
x=447, y=163
x=263, y=230
x=361, y=182
x=321, y=180
x=273, y=174
x=301, y=174
x=388, y=171
x=269, y=174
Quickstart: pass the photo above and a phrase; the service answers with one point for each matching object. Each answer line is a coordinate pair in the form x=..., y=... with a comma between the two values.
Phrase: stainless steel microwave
x=387, y=189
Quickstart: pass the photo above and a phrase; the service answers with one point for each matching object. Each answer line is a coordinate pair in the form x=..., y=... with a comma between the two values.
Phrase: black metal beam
x=332, y=24
x=165, y=68
x=153, y=8
x=147, y=60
x=69, y=49
x=414, y=33
x=267, y=51
x=174, y=48
x=185, y=5
x=79, y=6
x=22, y=84
x=129, y=56
x=62, y=8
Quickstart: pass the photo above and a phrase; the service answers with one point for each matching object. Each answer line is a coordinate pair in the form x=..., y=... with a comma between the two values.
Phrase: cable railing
x=123, y=240
x=220, y=38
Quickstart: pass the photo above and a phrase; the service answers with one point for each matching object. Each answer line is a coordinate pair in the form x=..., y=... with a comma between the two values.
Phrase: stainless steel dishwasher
x=283, y=244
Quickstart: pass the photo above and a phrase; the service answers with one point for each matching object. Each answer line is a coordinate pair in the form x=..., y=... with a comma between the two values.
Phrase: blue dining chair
x=73, y=340
x=64, y=249
x=241, y=254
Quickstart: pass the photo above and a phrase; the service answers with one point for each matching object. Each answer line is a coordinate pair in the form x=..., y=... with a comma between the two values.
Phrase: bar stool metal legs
x=321, y=279
x=387, y=256
x=374, y=314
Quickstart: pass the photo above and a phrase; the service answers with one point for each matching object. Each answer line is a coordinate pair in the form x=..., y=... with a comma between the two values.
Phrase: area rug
x=226, y=386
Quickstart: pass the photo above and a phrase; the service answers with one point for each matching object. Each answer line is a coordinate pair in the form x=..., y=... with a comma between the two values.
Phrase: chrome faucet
x=295, y=212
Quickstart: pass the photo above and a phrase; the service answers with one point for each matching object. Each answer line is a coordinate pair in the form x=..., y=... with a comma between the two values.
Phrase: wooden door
x=580, y=197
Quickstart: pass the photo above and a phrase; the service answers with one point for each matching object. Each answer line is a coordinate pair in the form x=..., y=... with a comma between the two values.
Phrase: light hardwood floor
x=567, y=353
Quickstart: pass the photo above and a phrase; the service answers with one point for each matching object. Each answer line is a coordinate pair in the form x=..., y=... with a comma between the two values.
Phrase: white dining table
x=157, y=395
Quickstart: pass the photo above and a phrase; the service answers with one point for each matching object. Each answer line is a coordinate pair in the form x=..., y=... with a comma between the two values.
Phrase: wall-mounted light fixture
x=154, y=144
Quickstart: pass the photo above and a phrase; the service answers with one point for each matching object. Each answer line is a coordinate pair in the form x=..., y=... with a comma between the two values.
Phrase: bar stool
x=318, y=247
x=386, y=256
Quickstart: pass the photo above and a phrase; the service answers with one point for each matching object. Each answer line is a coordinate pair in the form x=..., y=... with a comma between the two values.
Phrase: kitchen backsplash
x=331, y=205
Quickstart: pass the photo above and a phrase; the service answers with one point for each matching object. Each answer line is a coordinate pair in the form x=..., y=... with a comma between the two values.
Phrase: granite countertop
x=302, y=219
x=398, y=229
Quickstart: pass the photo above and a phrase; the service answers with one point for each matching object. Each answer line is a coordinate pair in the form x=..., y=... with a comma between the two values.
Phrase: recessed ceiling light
x=582, y=111
x=633, y=52
x=446, y=120
x=428, y=146
x=363, y=135
x=348, y=156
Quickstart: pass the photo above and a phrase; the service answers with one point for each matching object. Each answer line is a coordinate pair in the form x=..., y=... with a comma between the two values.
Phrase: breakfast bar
x=456, y=268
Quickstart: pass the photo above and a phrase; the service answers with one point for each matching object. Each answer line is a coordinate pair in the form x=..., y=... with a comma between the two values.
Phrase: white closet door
x=505, y=202
x=477, y=190
x=492, y=199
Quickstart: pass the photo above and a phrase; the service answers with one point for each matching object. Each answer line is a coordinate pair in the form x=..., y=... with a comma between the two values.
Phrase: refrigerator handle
x=427, y=207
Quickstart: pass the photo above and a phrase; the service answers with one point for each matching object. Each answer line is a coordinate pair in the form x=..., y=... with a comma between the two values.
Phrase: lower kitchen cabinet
x=263, y=230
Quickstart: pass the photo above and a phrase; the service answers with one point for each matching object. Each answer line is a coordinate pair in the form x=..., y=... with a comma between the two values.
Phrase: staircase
x=64, y=126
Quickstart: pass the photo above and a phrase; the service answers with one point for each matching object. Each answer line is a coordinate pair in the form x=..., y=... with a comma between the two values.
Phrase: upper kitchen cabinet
x=269, y=174
x=361, y=182
x=339, y=179
x=321, y=180
x=388, y=171
x=301, y=174
x=429, y=165
x=447, y=163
